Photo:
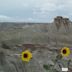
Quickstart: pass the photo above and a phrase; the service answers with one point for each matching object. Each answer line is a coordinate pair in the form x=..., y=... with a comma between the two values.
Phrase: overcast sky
x=34, y=10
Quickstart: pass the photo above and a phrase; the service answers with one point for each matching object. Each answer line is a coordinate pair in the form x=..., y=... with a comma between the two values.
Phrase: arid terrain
x=44, y=40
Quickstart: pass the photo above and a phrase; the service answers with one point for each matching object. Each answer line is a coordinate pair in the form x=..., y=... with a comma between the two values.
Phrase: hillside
x=50, y=37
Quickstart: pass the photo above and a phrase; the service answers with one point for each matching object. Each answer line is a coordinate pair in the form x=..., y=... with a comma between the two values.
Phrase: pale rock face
x=60, y=21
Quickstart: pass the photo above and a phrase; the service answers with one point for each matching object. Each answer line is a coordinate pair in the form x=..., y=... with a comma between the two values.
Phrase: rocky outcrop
x=66, y=23
x=59, y=21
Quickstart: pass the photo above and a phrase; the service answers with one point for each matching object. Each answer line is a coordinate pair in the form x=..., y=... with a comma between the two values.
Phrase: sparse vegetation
x=49, y=40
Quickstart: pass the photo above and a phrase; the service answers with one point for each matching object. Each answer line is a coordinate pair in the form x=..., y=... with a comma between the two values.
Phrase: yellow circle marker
x=65, y=51
x=26, y=56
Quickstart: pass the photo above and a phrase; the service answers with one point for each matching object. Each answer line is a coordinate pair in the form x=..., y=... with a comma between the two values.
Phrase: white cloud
x=5, y=17
x=30, y=19
x=49, y=5
x=40, y=8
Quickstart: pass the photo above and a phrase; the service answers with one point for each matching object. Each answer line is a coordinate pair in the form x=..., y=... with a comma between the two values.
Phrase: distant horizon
x=31, y=21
